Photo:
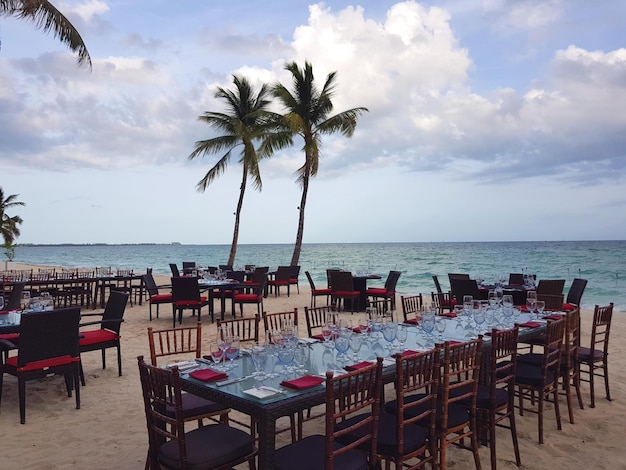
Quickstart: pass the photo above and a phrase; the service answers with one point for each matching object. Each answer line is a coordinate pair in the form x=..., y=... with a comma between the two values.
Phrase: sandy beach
x=109, y=430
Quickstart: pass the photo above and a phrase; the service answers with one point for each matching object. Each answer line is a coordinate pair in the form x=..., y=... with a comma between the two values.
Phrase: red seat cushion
x=248, y=297
x=13, y=337
x=322, y=292
x=346, y=293
x=190, y=303
x=96, y=336
x=379, y=291
x=278, y=283
x=568, y=307
x=44, y=364
x=161, y=298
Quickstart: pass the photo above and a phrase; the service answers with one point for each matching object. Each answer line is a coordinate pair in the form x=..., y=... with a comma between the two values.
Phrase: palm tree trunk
x=298, y=246
x=233, y=246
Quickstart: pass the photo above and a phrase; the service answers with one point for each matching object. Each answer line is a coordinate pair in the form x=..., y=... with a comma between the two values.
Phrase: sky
x=488, y=120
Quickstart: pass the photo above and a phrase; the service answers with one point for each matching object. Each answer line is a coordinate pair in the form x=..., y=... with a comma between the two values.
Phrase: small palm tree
x=9, y=225
x=308, y=115
x=247, y=122
x=47, y=17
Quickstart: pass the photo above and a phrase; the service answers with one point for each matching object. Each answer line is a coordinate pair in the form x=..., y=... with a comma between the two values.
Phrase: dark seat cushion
x=209, y=447
x=584, y=355
x=528, y=374
x=194, y=405
x=308, y=454
x=483, y=400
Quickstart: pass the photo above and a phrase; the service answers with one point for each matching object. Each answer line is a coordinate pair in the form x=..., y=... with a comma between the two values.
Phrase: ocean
x=602, y=263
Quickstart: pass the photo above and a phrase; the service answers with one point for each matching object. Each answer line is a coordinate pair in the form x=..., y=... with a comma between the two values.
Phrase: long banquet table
x=319, y=359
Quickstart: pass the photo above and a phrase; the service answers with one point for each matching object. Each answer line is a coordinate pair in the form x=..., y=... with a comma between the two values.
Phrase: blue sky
x=488, y=120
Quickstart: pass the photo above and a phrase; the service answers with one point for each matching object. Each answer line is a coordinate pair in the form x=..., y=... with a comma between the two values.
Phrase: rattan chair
x=282, y=278
x=316, y=292
x=575, y=294
x=294, y=280
x=594, y=360
x=186, y=295
x=388, y=292
x=213, y=447
x=154, y=297
x=342, y=289
x=463, y=287
x=254, y=294
x=550, y=286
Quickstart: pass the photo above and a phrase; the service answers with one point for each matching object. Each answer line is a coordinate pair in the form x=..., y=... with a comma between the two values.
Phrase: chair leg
x=591, y=385
x=513, y=428
x=104, y=359
x=605, y=369
x=119, y=360
x=82, y=374
x=21, y=385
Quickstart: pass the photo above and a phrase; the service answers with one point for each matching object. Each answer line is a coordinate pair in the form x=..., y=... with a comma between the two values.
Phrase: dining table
x=222, y=287
x=269, y=398
x=360, y=284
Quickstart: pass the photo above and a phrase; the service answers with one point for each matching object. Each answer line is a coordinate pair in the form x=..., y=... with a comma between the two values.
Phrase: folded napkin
x=306, y=381
x=358, y=366
x=530, y=324
x=208, y=375
x=448, y=314
x=553, y=317
x=320, y=337
x=408, y=352
x=452, y=341
x=414, y=321
x=522, y=308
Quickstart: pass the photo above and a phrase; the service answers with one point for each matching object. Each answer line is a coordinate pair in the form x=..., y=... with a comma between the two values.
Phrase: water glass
x=216, y=354
x=258, y=354
x=402, y=333
x=440, y=326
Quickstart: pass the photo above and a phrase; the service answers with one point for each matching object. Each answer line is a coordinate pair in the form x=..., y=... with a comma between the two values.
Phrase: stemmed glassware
x=327, y=333
x=389, y=333
x=342, y=345
x=285, y=356
x=428, y=325
x=531, y=304
x=355, y=346
x=479, y=318
x=232, y=352
x=258, y=354
x=541, y=305
x=402, y=333
x=440, y=326
x=216, y=354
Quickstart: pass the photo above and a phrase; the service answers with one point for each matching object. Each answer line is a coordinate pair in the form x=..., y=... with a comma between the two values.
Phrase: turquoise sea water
x=602, y=263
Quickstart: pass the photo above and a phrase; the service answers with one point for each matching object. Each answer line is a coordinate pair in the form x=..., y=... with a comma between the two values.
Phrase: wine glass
x=355, y=346
x=25, y=300
x=479, y=318
x=232, y=352
x=389, y=333
x=327, y=333
x=216, y=354
x=402, y=333
x=285, y=356
x=492, y=298
x=258, y=354
x=224, y=344
x=541, y=305
x=342, y=344
x=531, y=304
x=440, y=326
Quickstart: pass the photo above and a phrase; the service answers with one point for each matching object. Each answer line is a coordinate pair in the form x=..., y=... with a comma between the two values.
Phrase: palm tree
x=47, y=17
x=308, y=110
x=9, y=225
x=248, y=121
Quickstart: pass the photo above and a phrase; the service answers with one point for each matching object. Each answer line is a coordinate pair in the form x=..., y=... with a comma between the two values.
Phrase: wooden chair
x=282, y=278
x=407, y=426
x=342, y=288
x=388, y=292
x=316, y=292
x=456, y=418
x=383, y=307
x=352, y=406
x=411, y=306
x=274, y=321
x=217, y=446
x=542, y=382
x=570, y=366
x=246, y=329
x=186, y=295
x=316, y=319
x=594, y=359
x=495, y=401
x=154, y=297
x=108, y=335
x=185, y=343
x=48, y=345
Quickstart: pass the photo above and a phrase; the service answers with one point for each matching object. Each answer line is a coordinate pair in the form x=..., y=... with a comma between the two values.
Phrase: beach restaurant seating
x=317, y=319
x=176, y=344
x=281, y=278
x=412, y=305
x=442, y=300
x=316, y=292
x=154, y=297
x=48, y=345
x=352, y=406
x=108, y=335
x=388, y=291
x=215, y=446
x=253, y=294
x=594, y=359
x=186, y=295
x=575, y=294
x=294, y=280
x=462, y=287
x=342, y=288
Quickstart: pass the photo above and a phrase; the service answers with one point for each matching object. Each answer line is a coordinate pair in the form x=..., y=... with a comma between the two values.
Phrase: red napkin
x=552, y=317
x=454, y=342
x=320, y=337
x=208, y=375
x=522, y=308
x=448, y=314
x=408, y=352
x=358, y=366
x=531, y=324
x=303, y=382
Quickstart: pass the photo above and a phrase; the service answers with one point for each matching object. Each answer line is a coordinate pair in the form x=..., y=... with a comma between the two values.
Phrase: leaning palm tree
x=9, y=225
x=47, y=17
x=247, y=122
x=308, y=115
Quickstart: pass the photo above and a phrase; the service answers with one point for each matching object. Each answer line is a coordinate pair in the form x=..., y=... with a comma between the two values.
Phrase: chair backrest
x=576, y=291
x=354, y=393
x=552, y=350
x=553, y=302
x=550, y=286
x=341, y=281
x=317, y=317
x=188, y=266
x=245, y=328
x=516, y=279
x=113, y=314
x=502, y=363
x=392, y=280
x=275, y=321
x=437, y=284
x=383, y=307
x=151, y=287
x=185, y=288
x=329, y=275
x=174, y=269
x=459, y=380
x=411, y=304
x=45, y=335
x=175, y=341
x=15, y=297
x=226, y=267
x=259, y=275
x=310, y=279
x=161, y=390
x=571, y=341
x=283, y=273
x=462, y=287
x=295, y=272
x=600, y=328
x=417, y=377
x=458, y=276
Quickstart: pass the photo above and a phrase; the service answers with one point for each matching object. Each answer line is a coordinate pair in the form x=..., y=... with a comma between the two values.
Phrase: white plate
x=263, y=392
